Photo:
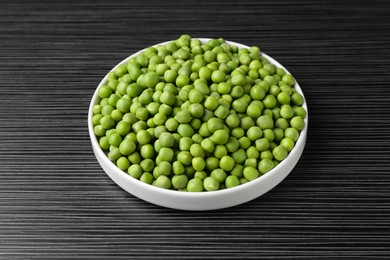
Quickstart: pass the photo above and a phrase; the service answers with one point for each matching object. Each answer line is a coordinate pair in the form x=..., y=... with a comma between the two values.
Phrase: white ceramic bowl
x=202, y=200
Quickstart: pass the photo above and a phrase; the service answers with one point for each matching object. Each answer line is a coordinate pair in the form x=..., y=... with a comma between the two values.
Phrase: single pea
x=195, y=185
x=147, y=177
x=218, y=76
x=251, y=162
x=219, y=175
x=291, y=133
x=220, y=151
x=166, y=139
x=245, y=142
x=123, y=128
x=283, y=98
x=279, y=153
x=269, y=134
x=267, y=154
x=239, y=156
x=207, y=145
x=212, y=163
x=196, y=110
x=299, y=111
x=184, y=157
x=179, y=181
x=238, y=132
x=198, y=163
x=170, y=76
x=262, y=144
x=281, y=123
x=115, y=139
x=114, y=154
x=107, y=122
x=117, y=115
x=252, y=152
x=143, y=137
x=147, y=151
x=238, y=80
x=226, y=163
x=222, y=111
x=265, y=166
x=182, y=80
x=231, y=181
x=224, y=88
x=232, y=145
x=195, y=96
x=240, y=105
x=254, y=133
x=166, y=154
x=163, y=168
x=215, y=124
x=205, y=73
x=171, y=124
x=265, y=122
x=279, y=134
x=237, y=171
x=147, y=165
x=250, y=173
x=178, y=168
x=135, y=171
x=185, y=143
x=163, y=182
x=288, y=143
x=135, y=158
x=220, y=136
x=123, y=105
x=232, y=120
x=196, y=150
x=253, y=110
x=274, y=90
x=103, y=143
x=129, y=118
x=269, y=101
x=297, y=123
x=127, y=147
x=185, y=130
x=104, y=91
x=183, y=117
x=167, y=98
x=288, y=79
x=286, y=111
x=297, y=99
x=123, y=163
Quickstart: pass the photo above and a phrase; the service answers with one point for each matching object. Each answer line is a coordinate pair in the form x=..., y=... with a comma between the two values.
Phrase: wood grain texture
x=57, y=203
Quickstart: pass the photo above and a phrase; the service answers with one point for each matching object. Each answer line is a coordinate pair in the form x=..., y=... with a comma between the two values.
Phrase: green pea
x=265, y=122
x=250, y=173
x=265, y=166
x=198, y=163
x=291, y=133
x=135, y=171
x=163, y=182
x=179, y=181
x=195, y=185
x=220, y=136
x=297, y=123
x=226, y=163
x=279, y=153
x=147, y=177
x=254, y=133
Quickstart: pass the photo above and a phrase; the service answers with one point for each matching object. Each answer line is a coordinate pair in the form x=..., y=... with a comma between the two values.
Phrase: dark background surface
x=56, y=201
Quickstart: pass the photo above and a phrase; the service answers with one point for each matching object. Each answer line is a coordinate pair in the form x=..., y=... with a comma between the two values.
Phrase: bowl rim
x=150, y=188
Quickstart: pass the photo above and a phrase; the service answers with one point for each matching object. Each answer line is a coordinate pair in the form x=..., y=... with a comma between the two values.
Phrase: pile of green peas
x=198, y=117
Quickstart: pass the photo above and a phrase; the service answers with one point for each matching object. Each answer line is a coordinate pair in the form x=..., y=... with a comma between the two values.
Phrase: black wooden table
x=55, y=200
